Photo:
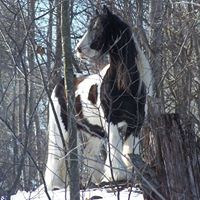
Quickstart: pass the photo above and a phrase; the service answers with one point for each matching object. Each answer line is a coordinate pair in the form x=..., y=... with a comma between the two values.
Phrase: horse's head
x=103, y=32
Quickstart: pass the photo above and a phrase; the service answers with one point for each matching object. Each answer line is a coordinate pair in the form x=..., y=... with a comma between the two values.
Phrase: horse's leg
x=114, y=165
x=55, y=169
x=130, y=146
x=92, y=162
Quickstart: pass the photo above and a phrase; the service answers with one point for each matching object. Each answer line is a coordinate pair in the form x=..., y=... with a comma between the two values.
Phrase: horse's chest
x=121, y=105
x=113, y=101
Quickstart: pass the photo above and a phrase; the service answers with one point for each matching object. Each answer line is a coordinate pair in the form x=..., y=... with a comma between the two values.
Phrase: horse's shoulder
x=91, y=80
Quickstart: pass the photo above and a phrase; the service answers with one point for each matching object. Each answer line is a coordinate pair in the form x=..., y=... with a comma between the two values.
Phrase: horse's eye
x=94, y=45
x=96, y=28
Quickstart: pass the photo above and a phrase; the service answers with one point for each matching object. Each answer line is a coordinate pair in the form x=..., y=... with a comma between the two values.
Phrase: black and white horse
x=121, y=88
x=112, y=101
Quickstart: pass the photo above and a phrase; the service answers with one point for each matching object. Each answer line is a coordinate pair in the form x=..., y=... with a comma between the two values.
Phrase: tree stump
x=171, y=149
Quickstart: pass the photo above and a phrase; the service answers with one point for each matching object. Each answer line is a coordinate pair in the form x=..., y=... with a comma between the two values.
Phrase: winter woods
x=31, y=64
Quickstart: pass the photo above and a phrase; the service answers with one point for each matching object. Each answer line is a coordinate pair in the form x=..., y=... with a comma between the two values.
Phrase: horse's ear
x=106, y=10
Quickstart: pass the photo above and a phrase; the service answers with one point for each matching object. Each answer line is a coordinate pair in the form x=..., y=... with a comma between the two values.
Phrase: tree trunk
x=14, y=127
x=31, y=171
x=175, y=156
x=49, y=39
x=56, y=72
x=156, y=15
x=69, y=76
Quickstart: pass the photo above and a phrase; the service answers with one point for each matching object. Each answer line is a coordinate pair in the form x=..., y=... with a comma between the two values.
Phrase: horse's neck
x=123, y=64
x=124, y=56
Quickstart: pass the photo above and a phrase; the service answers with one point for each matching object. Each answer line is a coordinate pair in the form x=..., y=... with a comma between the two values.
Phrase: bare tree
x=69, y=77
x=168, y=32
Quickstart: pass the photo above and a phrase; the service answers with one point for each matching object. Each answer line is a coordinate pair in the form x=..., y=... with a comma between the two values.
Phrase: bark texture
x=172, y=152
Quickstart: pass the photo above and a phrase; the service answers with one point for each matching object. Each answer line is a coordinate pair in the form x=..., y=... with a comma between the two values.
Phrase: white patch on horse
x=91, y=161
x=93, y=113
x=114, y=154
x=144, y=68
x=90, y=111
x=83, y=48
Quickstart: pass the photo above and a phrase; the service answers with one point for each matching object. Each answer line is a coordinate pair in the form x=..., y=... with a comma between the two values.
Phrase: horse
x=119, y=90
x=110, y=105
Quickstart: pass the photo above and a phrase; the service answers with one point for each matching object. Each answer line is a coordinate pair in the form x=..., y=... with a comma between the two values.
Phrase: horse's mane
x=122, y=51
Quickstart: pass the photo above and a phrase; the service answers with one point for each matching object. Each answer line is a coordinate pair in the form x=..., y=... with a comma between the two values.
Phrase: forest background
x=31, y=64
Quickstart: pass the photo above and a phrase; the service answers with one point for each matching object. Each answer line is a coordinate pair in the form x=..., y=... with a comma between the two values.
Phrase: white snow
x=39, y=194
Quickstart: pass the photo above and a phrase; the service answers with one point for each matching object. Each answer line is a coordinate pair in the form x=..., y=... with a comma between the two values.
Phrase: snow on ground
x=89, y=194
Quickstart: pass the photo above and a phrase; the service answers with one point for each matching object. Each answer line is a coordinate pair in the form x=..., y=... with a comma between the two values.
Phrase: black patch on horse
x=93, y=130
x=61, y=95
x=93, y=95
x=78, y=107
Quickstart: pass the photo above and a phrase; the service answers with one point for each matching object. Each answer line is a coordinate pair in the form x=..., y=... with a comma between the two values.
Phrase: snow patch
x=99, y=193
